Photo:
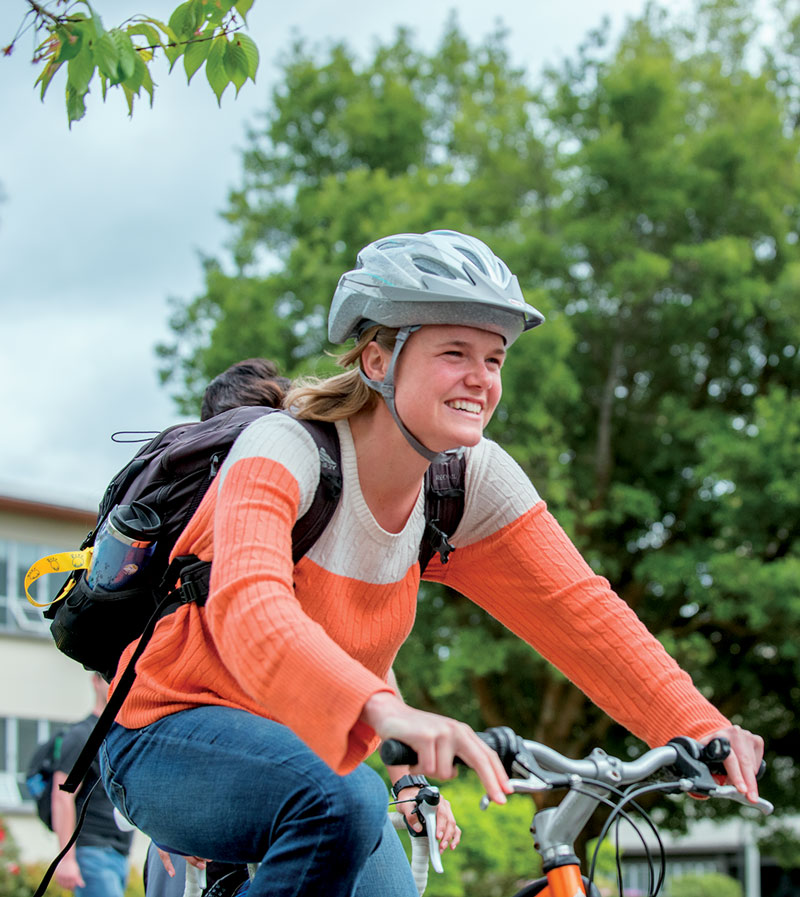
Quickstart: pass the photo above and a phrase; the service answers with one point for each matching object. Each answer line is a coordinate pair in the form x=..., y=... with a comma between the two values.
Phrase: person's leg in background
x=104, y=872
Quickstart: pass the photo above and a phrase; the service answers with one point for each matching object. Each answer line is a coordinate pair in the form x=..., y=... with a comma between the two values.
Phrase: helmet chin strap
x=386, y=388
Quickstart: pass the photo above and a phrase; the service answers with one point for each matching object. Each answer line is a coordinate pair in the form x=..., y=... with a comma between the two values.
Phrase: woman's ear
x=374, y=361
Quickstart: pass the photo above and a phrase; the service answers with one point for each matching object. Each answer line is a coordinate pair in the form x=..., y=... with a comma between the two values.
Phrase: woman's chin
x=466, y=438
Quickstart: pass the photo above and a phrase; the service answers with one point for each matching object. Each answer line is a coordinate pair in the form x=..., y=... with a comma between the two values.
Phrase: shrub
x=711, y=884
x=12, y=874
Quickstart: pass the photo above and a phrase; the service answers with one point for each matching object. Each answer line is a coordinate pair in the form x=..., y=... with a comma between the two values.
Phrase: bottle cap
x=136, y=521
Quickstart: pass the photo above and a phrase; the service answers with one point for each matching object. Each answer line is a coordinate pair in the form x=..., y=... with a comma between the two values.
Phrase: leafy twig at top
x=201, y=31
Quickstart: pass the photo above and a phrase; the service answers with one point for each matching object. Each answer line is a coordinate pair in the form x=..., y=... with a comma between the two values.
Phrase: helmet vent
x=474, y=259
x=431, y=266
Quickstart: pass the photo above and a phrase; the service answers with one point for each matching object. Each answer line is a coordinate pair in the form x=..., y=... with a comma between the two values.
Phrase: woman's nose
x=478, y=375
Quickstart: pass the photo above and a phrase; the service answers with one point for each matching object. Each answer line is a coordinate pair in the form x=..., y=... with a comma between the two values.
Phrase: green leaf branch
x=203, y=32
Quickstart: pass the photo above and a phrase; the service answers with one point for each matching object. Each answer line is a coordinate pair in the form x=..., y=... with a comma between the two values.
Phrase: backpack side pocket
x=95, y=627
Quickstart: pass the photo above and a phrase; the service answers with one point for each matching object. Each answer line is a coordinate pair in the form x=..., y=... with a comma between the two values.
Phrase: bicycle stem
x=553, y=828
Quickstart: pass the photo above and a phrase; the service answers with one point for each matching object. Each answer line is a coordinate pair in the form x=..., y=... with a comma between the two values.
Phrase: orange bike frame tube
x=564, y=881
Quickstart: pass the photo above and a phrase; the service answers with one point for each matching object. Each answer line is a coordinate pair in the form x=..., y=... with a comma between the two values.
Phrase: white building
x=40, y=688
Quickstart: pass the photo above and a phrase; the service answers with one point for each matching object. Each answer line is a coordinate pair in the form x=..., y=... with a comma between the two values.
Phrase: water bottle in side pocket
x=123, y=546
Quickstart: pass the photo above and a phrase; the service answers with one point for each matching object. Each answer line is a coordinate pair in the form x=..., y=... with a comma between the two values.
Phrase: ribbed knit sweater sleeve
x=287, y=662
x=518, y=563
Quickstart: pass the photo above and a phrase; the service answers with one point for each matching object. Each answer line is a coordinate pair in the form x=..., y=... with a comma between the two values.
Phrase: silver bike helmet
x=440, y=277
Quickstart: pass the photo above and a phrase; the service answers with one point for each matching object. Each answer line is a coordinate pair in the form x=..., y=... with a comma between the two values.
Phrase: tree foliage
x=201, y=32
x=647, y=195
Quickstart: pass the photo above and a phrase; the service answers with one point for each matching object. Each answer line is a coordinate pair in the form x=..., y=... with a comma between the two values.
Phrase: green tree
x=647, y=195
x=352, y=150
x=201, y=32
x=682, y=218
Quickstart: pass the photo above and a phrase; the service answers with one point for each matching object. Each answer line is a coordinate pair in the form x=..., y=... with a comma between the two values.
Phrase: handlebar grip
x=715, y=752
x=396, y=753
x=502, y=740
x=718, y=768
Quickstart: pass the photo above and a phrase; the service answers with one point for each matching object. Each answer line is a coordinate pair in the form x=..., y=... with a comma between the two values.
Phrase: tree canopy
x=647, y=194
x=201, y=32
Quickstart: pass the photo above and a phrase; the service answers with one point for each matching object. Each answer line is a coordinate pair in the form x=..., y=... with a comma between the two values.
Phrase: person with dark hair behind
x=254, y=381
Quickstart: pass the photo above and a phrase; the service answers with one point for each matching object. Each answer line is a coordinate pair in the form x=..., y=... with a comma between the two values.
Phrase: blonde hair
x=342, y=395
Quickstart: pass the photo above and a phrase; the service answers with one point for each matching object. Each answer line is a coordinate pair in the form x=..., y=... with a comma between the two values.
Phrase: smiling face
x=448, y=384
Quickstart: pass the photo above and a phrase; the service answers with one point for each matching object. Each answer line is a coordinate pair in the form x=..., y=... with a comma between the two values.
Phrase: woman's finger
x=744, y=760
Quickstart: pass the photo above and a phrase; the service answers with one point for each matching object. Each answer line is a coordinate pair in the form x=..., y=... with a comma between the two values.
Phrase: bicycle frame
x=563, y=881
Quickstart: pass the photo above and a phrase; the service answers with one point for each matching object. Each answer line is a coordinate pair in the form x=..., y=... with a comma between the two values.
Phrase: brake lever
x=731, y=793
x=518, y=761
x=427, y=801
x=531, y=784
x=427, y=812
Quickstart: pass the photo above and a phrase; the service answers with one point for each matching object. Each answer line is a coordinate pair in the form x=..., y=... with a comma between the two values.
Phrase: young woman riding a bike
x=244, y=736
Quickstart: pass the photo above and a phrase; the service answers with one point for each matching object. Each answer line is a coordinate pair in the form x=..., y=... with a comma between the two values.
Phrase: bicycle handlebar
x=594, y=780
x=541, y=768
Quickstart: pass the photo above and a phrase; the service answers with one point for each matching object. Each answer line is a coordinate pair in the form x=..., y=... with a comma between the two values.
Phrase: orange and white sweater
x=307, y=645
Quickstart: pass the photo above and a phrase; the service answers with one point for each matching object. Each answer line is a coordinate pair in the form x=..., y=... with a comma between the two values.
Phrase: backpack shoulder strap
x=444, y=507
x=310, y=526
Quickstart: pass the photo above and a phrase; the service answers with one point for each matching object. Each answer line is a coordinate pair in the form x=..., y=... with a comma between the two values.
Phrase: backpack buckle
x=195, y=583
x=439, y=542
x=194, y=576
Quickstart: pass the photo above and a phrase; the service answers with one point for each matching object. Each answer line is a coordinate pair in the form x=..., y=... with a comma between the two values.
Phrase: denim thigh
x=231, y=786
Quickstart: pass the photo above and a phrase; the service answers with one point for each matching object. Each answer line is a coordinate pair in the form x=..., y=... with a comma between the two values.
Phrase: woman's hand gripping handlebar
x=683, y=766
x=437, y=741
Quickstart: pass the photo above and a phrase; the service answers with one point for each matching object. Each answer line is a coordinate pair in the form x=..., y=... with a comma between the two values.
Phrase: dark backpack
x=39, y=777
x=171, y=474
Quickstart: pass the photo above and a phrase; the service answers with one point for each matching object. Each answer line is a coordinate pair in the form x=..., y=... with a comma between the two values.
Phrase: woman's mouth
x=465, y=405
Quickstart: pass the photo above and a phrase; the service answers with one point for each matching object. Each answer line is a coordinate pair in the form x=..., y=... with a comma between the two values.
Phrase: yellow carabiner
x=64, y=562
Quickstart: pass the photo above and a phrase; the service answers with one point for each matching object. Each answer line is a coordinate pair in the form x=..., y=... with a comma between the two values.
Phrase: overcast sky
x=102, y=223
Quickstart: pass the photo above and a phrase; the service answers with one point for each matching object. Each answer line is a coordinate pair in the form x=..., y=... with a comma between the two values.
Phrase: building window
x=17, y=614
x=18, y=741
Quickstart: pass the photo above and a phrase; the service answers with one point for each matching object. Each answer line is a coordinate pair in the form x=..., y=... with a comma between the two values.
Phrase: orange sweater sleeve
x=531, y=577
x=284, y=660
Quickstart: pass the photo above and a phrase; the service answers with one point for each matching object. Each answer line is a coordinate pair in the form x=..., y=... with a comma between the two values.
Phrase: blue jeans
x=104, y=871
x=231, y=786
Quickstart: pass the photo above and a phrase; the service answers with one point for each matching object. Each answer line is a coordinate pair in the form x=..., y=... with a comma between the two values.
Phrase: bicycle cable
x=618, y=813
x=630, y=797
